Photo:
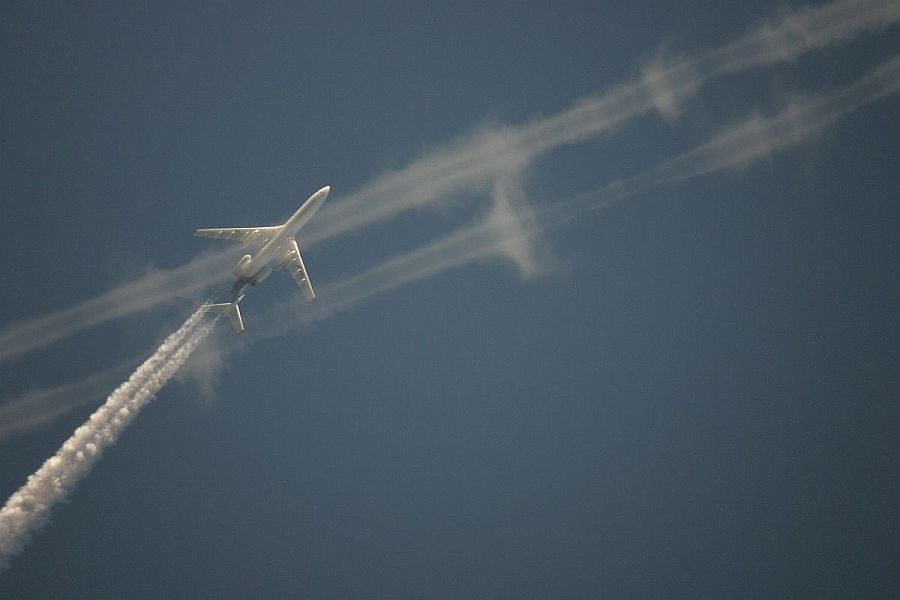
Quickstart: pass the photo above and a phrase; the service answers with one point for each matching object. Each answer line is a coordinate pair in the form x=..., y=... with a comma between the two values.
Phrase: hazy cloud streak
x=758, y=135
x=38, y=407
x=744, y=142
x=475, y=163
x=796, y=32
x=154, y=289
x=506, y=231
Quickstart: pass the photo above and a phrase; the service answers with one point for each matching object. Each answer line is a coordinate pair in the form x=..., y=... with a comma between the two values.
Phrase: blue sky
x=607, y=298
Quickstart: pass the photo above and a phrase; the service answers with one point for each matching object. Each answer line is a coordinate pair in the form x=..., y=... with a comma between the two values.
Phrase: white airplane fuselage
x=252, y=269
x=276, y=248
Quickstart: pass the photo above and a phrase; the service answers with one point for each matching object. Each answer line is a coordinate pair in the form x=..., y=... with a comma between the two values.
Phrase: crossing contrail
x=29, y=508
x=481, y=162
x=478, y=161
x=663, y=85
x=506, y=231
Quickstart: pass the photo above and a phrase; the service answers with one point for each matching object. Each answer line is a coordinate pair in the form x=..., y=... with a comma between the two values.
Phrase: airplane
x=276, y=249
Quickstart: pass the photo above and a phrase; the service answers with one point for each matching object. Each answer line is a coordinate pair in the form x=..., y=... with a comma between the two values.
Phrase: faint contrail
x=28, y=509
x=506, y=231
x=502, y=233
x=758, y=136
x=36, y=408
x=477, y=162
x=153, y=289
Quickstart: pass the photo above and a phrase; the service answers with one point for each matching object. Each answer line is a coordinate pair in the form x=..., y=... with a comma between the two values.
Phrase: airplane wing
x=249, y=235
x=293, y=262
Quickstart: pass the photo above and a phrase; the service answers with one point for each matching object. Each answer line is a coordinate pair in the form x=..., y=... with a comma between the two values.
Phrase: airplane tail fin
x=232, y=310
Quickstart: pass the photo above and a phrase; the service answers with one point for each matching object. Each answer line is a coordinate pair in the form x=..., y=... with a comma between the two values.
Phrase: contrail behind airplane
x=28, y=509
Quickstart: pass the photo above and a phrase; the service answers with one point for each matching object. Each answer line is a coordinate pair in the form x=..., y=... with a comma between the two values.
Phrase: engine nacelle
x=261, y=275
x=240, y=270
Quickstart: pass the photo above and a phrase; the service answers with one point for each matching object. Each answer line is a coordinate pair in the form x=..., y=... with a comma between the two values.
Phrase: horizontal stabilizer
x=232, y=310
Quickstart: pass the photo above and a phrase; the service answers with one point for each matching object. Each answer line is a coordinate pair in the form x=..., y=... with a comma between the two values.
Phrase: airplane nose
x=321, y=195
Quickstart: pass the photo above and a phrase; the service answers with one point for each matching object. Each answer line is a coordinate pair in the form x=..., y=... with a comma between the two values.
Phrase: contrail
x=28, y=509
x=754, y=137
x=502, y=233
x=38, y=407
x=154, y=289
x=757, y=135
x=474, y=163
x=507, y=230
x=477, y=162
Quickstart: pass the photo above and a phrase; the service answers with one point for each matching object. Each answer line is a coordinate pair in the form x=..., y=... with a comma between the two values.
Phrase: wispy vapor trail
x=510, y=225
x=38, y=407
x=154, y=289
x=477, y=162
x=502, y=233
x=28, y=509
x=797, y=32
x=744, y=142
x=505, y=232
x=758, y=135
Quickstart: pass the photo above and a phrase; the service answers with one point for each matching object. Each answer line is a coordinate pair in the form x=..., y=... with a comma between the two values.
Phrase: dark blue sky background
x=698, y=399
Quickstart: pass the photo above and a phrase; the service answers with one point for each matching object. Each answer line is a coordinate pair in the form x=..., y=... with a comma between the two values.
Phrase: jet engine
x=241, y=268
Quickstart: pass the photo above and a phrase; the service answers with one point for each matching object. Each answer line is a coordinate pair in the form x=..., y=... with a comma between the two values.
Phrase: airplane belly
x=261, y=274
x=269, y=251
x=274, y=247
